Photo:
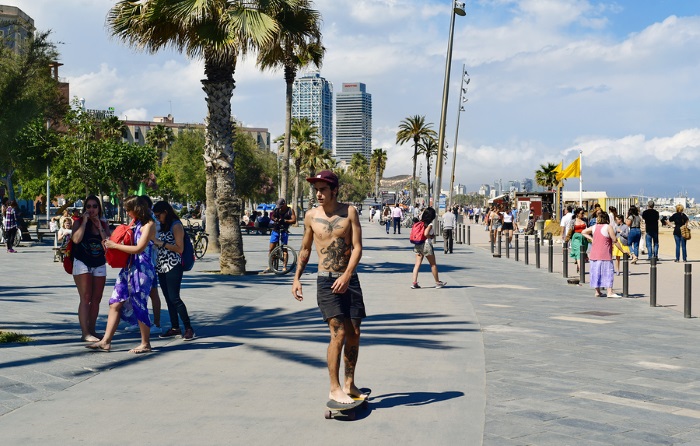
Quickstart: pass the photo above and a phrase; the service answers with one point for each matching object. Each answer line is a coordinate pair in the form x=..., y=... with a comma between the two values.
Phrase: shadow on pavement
x=411, y=399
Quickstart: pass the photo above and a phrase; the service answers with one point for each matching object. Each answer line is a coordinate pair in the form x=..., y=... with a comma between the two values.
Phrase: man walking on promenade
x=565, y=220
x=651, y=222
x=335, y=228
x=397, y=215
x=448, y=224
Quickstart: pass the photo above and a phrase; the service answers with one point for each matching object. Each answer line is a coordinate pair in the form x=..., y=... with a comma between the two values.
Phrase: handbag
x=123, y=235
x=685, y=231
x=68, y=258
x=570, y=233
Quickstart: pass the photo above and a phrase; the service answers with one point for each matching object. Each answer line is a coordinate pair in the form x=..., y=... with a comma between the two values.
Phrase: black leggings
x=170, y=283
x=10, y=237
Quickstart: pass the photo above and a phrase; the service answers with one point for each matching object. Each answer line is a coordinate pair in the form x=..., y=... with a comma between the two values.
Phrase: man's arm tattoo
x=303, y=260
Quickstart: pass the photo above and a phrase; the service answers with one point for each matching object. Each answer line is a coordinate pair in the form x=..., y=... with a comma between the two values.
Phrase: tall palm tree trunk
x=413, y=178
x=212, y=215
x=218, y=152
x=297, y=207
x=427, y=168
x=376, y=181
x=287, y=139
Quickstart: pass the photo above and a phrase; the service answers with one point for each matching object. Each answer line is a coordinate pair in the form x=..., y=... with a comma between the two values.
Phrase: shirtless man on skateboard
x=335, y=229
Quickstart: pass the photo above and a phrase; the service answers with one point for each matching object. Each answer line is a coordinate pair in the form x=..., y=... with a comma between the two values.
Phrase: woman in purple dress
x=602, y=238
x=129, y=299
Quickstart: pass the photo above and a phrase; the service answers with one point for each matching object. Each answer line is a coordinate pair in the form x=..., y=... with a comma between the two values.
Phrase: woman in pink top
x=602, y=237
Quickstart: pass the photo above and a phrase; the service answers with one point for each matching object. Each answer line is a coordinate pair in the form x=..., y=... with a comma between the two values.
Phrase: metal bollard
x=688, y=276
x=625, y=275
x=517, y=247
x=493, y=245
x=582, y=265
x=537, y=252
x=507, y=249
x=565, y=260
x=527, y=250
x=498, y=249
x=550, y=261
x=652, y=283
x=458, y=233
x=469, y=235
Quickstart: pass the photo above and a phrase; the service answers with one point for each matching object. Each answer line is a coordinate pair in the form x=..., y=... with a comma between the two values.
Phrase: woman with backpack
x=171, y=243
x=129, y=299
x=424, y=247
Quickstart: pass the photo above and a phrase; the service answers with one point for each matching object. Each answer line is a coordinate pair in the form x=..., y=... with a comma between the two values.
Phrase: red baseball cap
x=325, y=175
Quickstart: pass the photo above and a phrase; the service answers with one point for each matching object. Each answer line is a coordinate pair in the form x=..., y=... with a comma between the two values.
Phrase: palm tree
x=219, y=32
x=297, y=44
x=428, y=146
x=413, y=129
x=304, y=134
x=358, y=165
x=160, y=137
x=112, y=128
x=546, y=176
x=377, y=164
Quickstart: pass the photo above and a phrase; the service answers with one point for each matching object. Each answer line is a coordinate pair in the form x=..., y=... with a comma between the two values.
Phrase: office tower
x=15, y=27
x=353, y=122
x=312, y=97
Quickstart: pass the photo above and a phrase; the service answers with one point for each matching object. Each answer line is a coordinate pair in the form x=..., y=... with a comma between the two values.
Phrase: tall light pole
x=457, y=9
x=460, y=109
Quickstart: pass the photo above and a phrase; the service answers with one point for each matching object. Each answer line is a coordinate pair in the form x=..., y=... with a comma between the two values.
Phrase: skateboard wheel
x=328, y=414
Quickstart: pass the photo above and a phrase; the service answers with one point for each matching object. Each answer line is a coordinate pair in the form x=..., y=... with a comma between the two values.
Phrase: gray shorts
x=425, y=249
x=350, y=304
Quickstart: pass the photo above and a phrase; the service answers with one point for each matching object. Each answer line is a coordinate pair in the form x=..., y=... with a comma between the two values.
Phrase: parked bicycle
x=200, y=239
x=283, y=258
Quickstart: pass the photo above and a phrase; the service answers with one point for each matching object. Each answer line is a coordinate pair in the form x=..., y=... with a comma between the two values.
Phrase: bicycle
x=18, y=236
x=200, y=239
x=283, y=254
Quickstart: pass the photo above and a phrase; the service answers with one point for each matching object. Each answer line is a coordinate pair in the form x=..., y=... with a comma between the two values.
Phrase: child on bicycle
x=281, y=218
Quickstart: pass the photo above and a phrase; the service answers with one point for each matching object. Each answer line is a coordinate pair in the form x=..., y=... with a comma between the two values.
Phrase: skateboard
x=335, y=409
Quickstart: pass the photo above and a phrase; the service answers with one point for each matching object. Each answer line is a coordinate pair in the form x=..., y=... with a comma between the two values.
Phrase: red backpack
x=417, y=233
x=124, y=235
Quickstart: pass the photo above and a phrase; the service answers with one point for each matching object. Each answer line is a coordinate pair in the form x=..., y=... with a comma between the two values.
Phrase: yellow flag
x=573, y=170
x=558, y=168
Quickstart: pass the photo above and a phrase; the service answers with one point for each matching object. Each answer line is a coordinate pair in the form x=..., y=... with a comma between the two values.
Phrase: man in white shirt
x=448, y=224
x=565, y=220
x=397, y=215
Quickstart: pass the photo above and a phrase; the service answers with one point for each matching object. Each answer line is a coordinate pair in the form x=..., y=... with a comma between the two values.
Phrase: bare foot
x=99, y=347
x=143, y=348
x=354, y=392
x=340, y=397
x=91, y=338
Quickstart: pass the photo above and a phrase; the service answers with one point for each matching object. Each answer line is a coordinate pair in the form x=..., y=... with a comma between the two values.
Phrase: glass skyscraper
x=353, y=122
x=312, y=97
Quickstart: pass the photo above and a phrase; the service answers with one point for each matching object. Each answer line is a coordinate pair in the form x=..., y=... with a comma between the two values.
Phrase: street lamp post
x=457, y=9
x=460, y=109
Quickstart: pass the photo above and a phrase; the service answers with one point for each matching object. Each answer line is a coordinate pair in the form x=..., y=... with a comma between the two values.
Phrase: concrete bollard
x=652, y=283
x=688, y=276
x=517, y=247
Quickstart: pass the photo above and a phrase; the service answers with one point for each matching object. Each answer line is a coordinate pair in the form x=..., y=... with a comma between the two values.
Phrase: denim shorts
x=275, y=237
x=350, y=304
x=81, y=268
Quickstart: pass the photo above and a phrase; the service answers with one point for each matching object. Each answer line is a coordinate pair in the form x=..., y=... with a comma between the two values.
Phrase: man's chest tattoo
x=330, y=225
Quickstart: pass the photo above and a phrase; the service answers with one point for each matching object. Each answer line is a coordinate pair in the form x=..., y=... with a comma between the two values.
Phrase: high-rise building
x=312, y=97
x=353, y=122
x=15, y=27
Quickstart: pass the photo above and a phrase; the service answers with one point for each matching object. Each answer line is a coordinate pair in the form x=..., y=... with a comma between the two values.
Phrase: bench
x=255, y=231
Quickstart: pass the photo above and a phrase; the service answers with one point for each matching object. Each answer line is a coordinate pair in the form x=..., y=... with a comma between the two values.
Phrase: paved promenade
x=506, y=354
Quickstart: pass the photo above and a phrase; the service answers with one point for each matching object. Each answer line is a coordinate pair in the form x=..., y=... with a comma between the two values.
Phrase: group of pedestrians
x=154, y=257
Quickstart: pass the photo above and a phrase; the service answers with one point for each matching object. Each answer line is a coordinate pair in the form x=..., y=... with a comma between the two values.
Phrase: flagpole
x=580, y=179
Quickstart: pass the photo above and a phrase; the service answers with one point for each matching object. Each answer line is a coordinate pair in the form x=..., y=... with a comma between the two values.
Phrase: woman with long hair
x=577, y=241
x=426, y=249
x=634, y=222
x=679, y=219
x=171, y=243
x=89, y=269
x=129, y=299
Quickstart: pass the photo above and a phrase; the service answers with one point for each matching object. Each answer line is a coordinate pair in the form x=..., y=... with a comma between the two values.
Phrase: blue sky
x=615, y=79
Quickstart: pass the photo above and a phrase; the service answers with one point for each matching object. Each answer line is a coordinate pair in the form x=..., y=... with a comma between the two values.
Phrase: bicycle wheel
x=18, y=238
x=200, y=247
x=283, y=260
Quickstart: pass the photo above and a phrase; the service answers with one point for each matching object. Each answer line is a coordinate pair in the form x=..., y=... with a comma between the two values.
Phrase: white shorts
x=81, y=268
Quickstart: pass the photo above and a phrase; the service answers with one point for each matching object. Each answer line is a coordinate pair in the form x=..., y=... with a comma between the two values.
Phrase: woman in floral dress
x=129, y=299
